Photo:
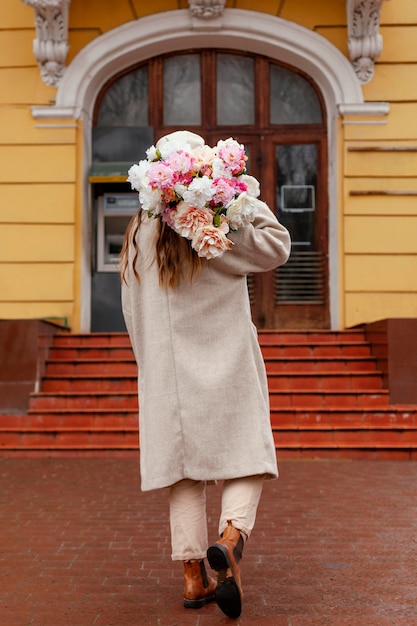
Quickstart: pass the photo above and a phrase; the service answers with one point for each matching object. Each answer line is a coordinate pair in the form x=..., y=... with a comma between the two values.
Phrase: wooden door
x=293, y=181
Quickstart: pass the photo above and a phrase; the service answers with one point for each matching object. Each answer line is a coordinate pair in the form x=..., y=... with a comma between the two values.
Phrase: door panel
x=295, y=295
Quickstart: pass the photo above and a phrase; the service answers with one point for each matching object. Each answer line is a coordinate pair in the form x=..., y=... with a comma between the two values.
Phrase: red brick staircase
x=326, y=393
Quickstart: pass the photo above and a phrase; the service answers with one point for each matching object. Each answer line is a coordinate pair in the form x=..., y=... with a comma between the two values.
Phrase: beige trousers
x=188, y=518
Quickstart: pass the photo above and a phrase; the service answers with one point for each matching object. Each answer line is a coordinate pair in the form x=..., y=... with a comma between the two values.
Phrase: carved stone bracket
x=364, y=39
x=206, y=8
x=51, y=44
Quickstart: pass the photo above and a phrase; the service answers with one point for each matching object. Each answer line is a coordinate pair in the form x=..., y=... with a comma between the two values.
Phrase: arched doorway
x=278, y=113
x=256, y=32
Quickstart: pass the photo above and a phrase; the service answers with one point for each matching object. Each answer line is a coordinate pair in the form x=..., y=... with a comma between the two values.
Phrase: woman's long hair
x=173, y=254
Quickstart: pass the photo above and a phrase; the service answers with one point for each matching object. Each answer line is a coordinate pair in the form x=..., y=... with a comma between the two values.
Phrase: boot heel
x=196, y=604
x=218, y=558
x=229, y=599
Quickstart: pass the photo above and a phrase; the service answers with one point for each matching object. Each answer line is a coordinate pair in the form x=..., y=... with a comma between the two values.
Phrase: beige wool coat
x=203, y=396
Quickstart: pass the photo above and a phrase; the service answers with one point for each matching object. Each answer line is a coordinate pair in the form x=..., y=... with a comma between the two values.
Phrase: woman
x=204, y=406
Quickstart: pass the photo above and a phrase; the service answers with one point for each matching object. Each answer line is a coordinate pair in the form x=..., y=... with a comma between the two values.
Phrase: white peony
x=220, y=170
x=254, y=188
x=242, y=211
x=138, y=175
x=199, y=192
x=180, y=189
x=151, y=154
x=166, y=148
x=151, y=200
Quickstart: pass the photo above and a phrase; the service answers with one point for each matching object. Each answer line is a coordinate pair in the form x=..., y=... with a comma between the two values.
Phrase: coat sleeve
x=258, y=247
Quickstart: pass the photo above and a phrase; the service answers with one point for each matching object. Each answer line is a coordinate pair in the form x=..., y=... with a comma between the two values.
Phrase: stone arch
x=236, y=29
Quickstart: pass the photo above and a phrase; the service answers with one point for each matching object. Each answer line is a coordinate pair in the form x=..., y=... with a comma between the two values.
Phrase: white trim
x=237, y=29
x=75, y=125
x=364, y=122
x=52, y=113
x=365, y=109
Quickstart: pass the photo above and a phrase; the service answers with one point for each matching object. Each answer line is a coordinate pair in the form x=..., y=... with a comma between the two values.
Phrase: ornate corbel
x=206, y=8
x=364, y=39
x=51, y=44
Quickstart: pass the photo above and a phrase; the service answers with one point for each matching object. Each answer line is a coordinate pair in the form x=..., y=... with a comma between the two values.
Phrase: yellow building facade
x=359, y=57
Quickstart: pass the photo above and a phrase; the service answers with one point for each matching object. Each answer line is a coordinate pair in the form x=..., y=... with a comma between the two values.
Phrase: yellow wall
x=40, y=188
x=380, y=183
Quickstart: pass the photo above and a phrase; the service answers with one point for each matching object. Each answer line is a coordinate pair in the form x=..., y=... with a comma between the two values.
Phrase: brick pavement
x=335, y=544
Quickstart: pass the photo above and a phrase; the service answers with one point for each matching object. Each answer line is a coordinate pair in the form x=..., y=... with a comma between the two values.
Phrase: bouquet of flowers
x=202, y=193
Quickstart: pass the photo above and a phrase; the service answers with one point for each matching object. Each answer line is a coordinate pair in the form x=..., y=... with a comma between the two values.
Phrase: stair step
x=319, y=365
x=355, y=438
x=276, y=381
x=265, y=337
x=310, y=336
x=114, y=383
x=336, y=417
x=91, y=352
x=52, y=420
x=45, y=438
x=82, y=400
x=325, y=381
x=275, y=349
x=127, y=367
x=314, y=399
x=101, y=367
x=86, y=439
x=92, y=339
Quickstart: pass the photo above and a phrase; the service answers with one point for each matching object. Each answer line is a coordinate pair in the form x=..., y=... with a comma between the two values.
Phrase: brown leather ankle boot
x=199, y=588
x=224, y=556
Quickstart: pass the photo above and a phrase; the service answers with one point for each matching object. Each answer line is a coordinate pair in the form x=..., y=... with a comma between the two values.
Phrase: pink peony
x=233, y=155
x=224, y=191
x=162, y=176
x=182, y=163
x=168, y=216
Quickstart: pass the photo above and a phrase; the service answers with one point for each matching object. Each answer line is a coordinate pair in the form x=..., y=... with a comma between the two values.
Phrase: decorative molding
x=52, y=112
x=51, y=44
x=364, y=39
x=365, y=109
x=206, y=9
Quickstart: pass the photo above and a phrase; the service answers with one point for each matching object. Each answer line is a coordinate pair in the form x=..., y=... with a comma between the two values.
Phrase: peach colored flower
x=189, y=219
x=211, y=242
x=204, y=157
